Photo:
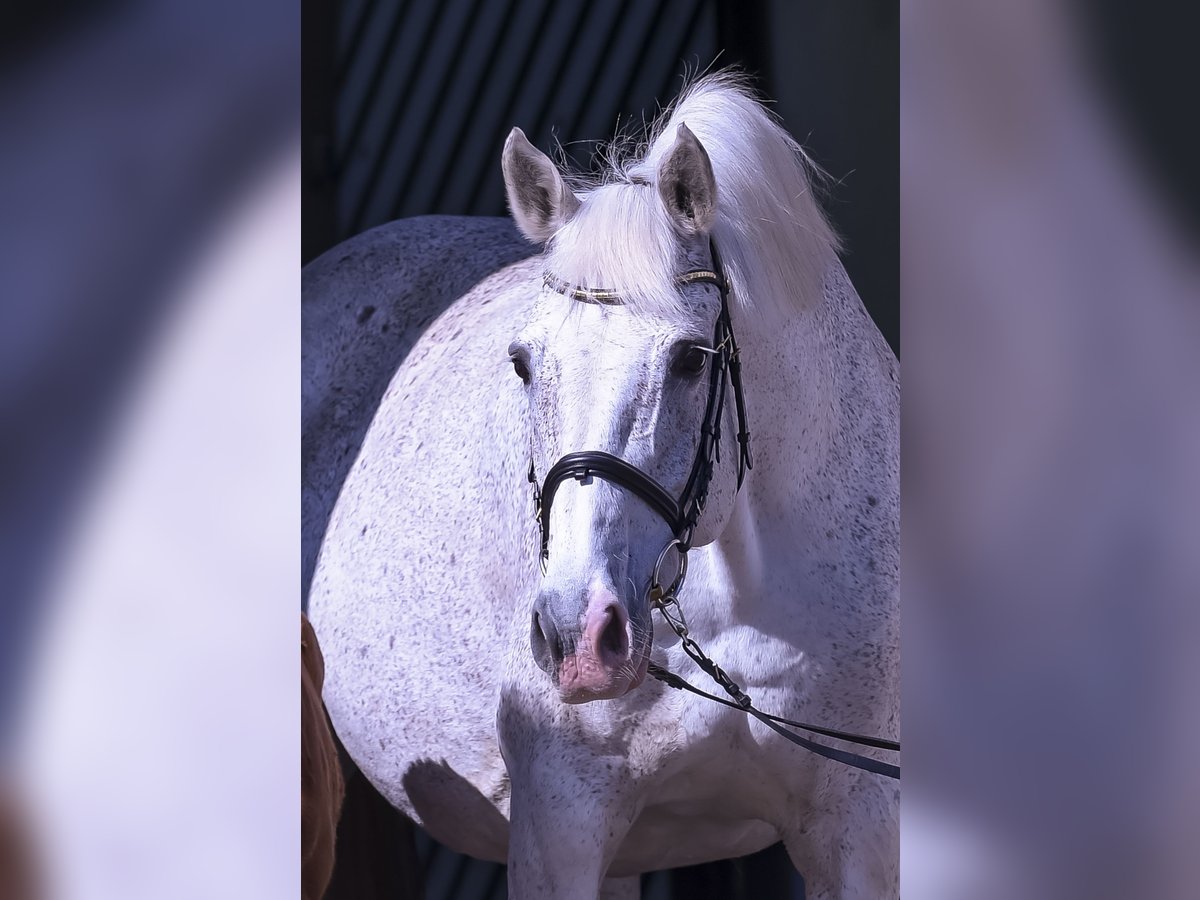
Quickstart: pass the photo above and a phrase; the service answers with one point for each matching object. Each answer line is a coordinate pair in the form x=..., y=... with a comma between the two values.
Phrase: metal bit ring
x=679, y=576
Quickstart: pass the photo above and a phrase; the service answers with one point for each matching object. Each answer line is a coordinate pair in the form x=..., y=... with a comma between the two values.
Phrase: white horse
x=505, y=709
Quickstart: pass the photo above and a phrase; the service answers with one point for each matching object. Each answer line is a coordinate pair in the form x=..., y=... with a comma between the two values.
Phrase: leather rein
x=682, y=514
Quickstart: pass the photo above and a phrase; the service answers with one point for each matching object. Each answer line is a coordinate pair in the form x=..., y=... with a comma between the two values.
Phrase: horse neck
x=823, y=402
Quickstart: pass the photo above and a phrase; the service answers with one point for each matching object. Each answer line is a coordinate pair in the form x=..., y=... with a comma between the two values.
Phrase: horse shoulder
x=366, y=303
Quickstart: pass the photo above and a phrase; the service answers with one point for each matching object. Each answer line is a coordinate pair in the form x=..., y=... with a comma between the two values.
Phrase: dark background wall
x=407, y=102
x=406, y=105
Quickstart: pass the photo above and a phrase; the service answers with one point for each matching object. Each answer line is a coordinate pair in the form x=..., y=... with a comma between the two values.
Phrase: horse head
x=617, y=362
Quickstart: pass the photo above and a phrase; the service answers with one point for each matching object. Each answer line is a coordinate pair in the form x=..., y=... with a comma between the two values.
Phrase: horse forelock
x=775, y=242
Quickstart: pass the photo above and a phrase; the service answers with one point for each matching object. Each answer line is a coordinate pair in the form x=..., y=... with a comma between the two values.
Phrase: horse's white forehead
x=561, y=325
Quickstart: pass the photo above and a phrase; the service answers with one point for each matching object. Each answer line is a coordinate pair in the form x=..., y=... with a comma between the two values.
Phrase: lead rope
x=667, y=603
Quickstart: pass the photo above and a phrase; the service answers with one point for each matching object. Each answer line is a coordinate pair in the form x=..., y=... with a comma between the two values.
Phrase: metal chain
x=666, y=601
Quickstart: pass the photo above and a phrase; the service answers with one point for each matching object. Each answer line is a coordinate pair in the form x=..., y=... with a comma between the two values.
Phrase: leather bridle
x=681, y=514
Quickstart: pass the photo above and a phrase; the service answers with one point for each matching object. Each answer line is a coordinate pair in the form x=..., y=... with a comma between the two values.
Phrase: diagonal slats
x=427, y=91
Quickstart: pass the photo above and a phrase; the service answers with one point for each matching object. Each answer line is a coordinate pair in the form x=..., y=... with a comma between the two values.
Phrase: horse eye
x=691, y=362
x=521, y=367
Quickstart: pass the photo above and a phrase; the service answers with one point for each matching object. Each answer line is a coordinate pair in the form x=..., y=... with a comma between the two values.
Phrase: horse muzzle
x=593, y=656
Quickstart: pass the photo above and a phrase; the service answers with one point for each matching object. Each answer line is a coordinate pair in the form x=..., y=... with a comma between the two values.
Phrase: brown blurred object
x=321, y=785
x=18, y=865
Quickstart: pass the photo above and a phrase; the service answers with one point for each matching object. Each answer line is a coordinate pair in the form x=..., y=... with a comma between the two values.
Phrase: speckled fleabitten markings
x=431, y=552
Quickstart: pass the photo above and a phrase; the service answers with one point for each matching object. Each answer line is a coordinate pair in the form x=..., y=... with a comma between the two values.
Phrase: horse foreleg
x=570, y=809
x=852, y=852
x=565, y=827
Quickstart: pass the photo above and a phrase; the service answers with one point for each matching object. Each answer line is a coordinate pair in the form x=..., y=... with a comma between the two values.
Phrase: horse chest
x=716, y=788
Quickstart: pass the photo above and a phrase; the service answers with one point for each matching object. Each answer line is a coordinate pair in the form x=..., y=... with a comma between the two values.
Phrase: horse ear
x=687, y=185
x=540, y=200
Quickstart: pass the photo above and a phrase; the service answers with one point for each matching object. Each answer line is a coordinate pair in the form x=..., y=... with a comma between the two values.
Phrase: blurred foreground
x=149, y=409
x=1051, y=435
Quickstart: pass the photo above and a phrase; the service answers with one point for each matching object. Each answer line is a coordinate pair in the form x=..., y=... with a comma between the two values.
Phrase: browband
x=609, y=297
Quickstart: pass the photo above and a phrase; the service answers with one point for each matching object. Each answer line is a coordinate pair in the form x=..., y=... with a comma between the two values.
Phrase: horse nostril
x=546, y=644
x=613, y=639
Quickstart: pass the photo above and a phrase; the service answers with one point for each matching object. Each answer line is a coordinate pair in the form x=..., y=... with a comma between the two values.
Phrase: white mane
x=773, y=238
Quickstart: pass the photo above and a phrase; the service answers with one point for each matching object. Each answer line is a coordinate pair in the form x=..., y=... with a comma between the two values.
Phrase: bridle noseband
x=680, y=514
